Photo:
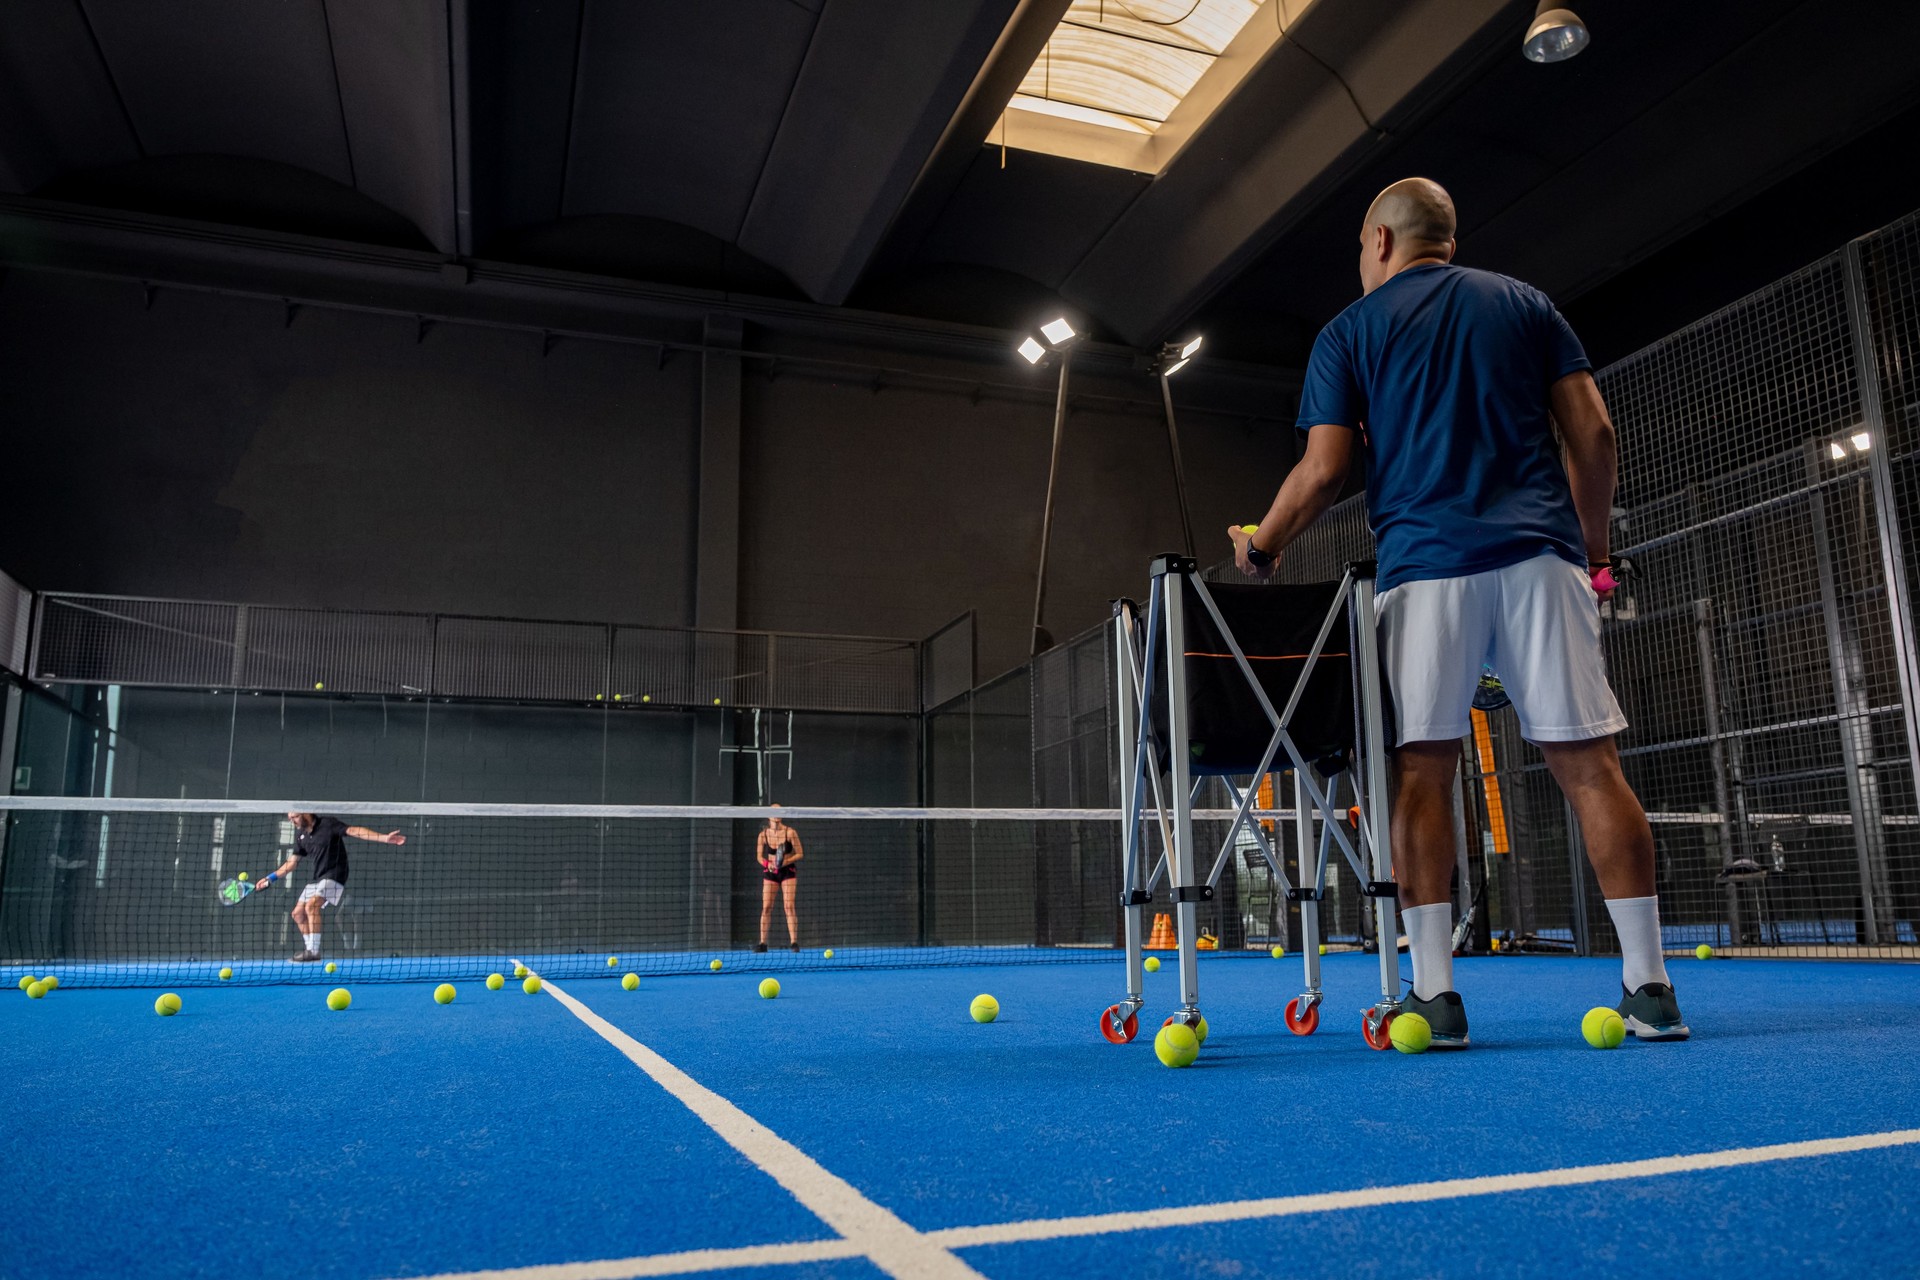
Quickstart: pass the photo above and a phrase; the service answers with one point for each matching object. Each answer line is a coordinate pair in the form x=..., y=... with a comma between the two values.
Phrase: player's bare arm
x=391, y=837
x=1310, y=488
x=1592, y=457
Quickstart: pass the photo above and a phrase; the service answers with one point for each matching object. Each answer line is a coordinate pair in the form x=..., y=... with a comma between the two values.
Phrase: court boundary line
x=866, y=1228
x=1036, y=1230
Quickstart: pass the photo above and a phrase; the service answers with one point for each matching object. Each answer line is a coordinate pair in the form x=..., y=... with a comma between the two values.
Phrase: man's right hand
x=1241, y=541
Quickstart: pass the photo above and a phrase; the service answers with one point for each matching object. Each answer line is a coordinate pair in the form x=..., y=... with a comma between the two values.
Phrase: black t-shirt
x=326, y=844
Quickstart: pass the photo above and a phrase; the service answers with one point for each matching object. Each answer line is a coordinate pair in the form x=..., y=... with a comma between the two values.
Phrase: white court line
x=671, y=1264
x=869, y=1230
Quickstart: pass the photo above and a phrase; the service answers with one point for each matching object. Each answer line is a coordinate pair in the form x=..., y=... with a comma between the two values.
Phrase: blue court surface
x=862, y=1125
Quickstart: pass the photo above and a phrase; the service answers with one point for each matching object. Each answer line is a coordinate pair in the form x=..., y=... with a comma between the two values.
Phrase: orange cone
x=1161, y=938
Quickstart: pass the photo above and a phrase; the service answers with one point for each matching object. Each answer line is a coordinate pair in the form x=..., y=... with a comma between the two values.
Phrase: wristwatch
x=1255, y=556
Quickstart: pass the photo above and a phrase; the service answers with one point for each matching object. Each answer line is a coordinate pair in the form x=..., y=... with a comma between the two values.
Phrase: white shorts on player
x=328, y=891
x=1536, y=623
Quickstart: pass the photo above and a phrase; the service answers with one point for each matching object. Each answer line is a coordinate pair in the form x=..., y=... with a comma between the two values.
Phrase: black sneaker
x=759, y=946
x=1445, y=1014
x=1652, y=1013
x=793, y=946
x=305, y=957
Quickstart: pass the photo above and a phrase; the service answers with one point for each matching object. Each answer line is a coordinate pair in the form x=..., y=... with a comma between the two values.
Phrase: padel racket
x=232, y=890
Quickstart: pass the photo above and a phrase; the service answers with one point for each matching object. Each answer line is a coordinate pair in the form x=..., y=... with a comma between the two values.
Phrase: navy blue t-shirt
x=1446, y=372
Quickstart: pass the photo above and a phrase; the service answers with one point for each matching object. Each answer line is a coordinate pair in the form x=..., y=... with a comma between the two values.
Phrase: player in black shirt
x=325, y=841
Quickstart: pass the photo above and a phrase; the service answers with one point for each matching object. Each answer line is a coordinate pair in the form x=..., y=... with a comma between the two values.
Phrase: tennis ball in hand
x=339, y=998
x=531, y=986
x=715, y=966
x=827, y=954
x=1603, y=1028
x=332, y=967
x=1249, y=529
x=1703, y=952
x=1176, y=1045
x=225, y=974
x=613, y=962
x=444, y=993
x=167, y=1005
x=519, y=971
x=984, y=1008
x=36, y=990
x=495, y=982
x=1410, y=1033
x=631, y=982
x=50, y=982
x=1153, y=964
x=769, y=988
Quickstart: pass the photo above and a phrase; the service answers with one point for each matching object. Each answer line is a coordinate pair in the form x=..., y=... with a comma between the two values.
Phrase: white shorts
x=328, y=891
x=1536, y=623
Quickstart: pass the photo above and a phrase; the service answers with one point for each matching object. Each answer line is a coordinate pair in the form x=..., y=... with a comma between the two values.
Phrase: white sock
x=1430, y=940
x=1637, y=921
x=312, y=941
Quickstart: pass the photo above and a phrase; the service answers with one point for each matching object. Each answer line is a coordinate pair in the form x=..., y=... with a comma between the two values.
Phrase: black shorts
x=775, y=877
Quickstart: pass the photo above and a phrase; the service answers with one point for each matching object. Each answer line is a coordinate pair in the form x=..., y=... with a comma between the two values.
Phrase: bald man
x=1451, y=381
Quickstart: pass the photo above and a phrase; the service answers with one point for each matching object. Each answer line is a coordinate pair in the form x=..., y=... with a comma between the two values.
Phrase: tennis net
x=126, y=892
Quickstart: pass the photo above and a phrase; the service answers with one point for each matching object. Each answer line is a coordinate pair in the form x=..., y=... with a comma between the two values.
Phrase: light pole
x=1173, y=357
x=1055, y=344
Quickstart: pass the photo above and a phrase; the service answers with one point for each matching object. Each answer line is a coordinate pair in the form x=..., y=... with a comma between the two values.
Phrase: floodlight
x=1556, y=34
x=1174, y=368
x=1862, y=442
x=1056, y=331
x=1186, y=352
x=1032, y=350
x=1838, y=453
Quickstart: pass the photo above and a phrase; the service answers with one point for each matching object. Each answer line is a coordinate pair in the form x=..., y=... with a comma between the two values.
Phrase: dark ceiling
x=830, y=150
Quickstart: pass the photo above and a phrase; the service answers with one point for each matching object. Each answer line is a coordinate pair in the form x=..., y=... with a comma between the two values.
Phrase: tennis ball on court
x=495, y=982
x=769, y=988
x=984, y=1008
x=1153, y=964
x=531, y=986
x=318, y=685
x=1176, y=1045
x=36, y=990
x=1199, y=1029
x=1410, y=1033
x=646, y=697
x=332, y=967
x=716, y=702
x=444, y=993
x=519, y=971
x=50, y=982
x=1703, y=952
x=27, y=980
x=225, y=974
x=827, y=954
x=1602, y=1028
x=167, y=1005
x=339, y=998
x=613, y=962
x=631, y=982
x=1278, y=952
x=715, y=966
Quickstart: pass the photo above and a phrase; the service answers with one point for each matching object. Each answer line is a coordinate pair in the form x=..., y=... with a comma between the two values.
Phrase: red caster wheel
x=1377, y=1037
x=1116, y=1030
x=1302, y=1024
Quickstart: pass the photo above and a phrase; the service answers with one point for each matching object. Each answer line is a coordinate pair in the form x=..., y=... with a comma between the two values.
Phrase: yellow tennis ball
x=827, y=954
x=1176, y=1045
x=27, y=980
x=984, y=1008
x=1249, y=528
x=339, y=998
x=715, y=966
x=1703, y=952
x=318, y=685
x=1323, y=948
x=531, y=986
x=50, y=982
x=519, y=971
x=495, y=982
x=1153, y=964
x=769, y=988
x=646, y=697
x=36, y=990
x=1278, y=952
x=1200, y=1032
x=332, y=967
x=599, y=697
x=716, y=702
x=1603, y=1028
x=225, y=974
x=631, y=982
x=613, y=962
x=242, y=876
x=444, y=993
x=167, y=1004
x=1410, y=1033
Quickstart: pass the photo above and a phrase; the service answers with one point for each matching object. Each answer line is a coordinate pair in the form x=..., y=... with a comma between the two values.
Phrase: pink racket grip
x=1604, y=581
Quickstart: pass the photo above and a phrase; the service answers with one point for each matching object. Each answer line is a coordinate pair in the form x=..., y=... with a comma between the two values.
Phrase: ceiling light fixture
x=1061, y=339
x=1556, y=34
